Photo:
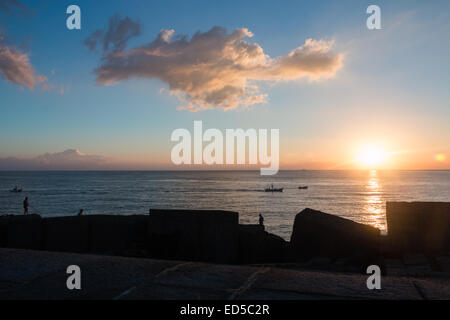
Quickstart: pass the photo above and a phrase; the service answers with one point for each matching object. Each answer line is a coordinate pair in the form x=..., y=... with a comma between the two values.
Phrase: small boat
x=303, y=187
x=16, y=190
x=272, y=189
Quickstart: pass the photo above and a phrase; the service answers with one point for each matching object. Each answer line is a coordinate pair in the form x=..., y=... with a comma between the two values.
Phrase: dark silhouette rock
x=320, y=234
x=259, y=246
x=422, y=227
x=196, y=235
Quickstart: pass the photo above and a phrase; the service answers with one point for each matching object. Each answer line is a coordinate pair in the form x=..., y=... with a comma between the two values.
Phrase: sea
x=357, y=195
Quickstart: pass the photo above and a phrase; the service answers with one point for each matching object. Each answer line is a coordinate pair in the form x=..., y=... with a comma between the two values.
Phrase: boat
x=272, y=189
x=303, y=187
x=16, y=190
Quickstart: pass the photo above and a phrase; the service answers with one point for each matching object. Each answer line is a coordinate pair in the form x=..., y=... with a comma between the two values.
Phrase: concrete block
x=419, y=226
x=195, y=235
x=320, y=234
x=25, y=232
x=67, y=234
x=109, y=234
x=4, y=222
x=258, y=246
x=444, y=263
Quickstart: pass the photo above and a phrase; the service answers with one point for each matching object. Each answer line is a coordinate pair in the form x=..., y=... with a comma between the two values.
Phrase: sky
x=109, y=96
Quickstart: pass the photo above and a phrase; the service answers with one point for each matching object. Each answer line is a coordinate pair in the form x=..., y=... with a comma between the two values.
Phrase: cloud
x=314, y=60
x=116, y=36
x=70, y=159
x=215, y=69
x=93, y=39
x=15, y=66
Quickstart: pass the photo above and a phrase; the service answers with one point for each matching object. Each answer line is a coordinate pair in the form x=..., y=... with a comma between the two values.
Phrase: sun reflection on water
x=374, y=202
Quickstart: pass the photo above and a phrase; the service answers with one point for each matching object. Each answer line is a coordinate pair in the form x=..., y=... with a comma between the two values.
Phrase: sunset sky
x=108, y=96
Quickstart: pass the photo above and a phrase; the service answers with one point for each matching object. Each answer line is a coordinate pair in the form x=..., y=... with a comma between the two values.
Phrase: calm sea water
x=357, y=195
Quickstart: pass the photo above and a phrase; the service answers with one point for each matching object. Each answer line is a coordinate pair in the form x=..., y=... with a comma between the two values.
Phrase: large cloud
x=70, y=159
x=216, y=69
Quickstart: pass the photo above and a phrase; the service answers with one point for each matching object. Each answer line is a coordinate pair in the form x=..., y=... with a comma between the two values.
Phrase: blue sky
x=391, y=90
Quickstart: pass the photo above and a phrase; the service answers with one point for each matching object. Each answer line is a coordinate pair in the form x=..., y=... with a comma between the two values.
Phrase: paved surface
x=409, y=265
x=27, y=274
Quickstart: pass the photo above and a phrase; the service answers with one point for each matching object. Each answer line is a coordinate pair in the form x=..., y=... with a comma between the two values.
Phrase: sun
x=371, y=156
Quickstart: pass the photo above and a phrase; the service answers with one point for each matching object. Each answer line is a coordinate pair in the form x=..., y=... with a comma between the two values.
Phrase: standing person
x=81, y=212
x=25, y=205
x=261, y=220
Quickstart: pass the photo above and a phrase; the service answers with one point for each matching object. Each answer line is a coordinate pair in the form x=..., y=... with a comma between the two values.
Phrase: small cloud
x=70, y=159
x=15, y=66
x=93, y=39
x=213, y=69
x=116, y=35
x=41, y=79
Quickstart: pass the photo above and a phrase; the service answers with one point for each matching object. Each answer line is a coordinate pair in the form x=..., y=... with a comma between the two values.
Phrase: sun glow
x=440, y=157
x=371, y=156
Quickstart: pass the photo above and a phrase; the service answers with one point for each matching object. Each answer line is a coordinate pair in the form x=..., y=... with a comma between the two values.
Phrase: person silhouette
x=81, y=212
x=25, y=205
x=261, y=220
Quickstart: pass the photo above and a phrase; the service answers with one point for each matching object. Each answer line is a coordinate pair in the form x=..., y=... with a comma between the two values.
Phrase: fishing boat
x=303, y=187
x=272, y=189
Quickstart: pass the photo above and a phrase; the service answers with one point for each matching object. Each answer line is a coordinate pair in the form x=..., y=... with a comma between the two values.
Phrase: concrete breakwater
x=217, y=237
